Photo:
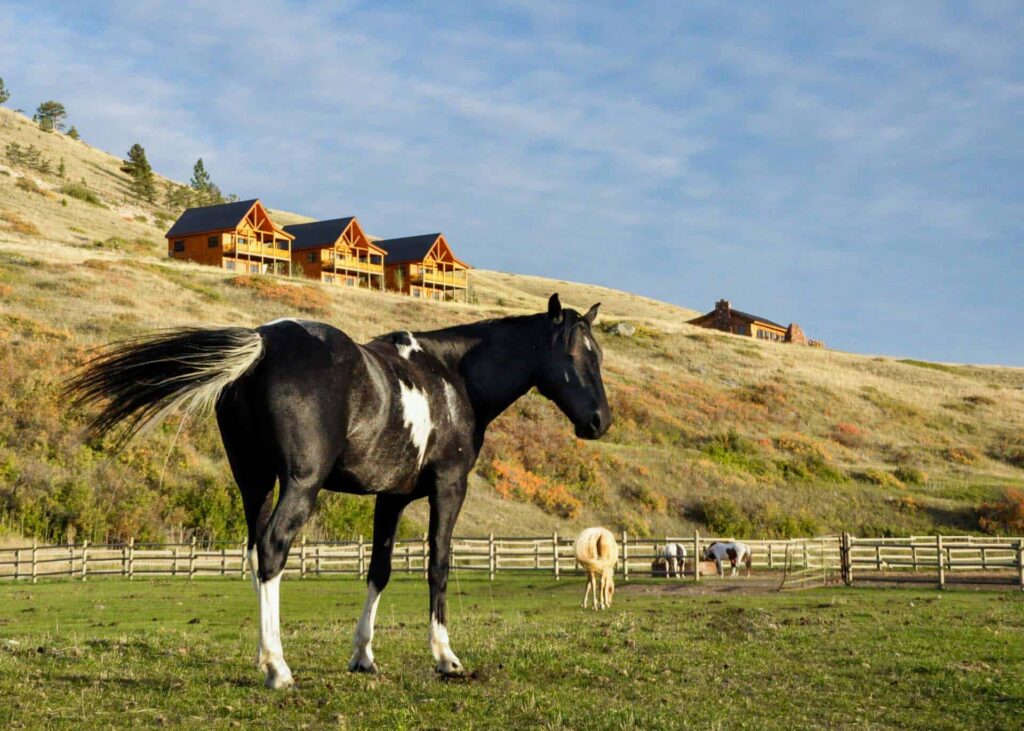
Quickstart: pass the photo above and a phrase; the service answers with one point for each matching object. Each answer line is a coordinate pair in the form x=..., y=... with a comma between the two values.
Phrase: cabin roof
x=408, y=248
x=742, y=315
x=210, y=218
x=317, y=234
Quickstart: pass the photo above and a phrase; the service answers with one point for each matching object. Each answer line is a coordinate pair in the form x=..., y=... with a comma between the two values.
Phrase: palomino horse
x=733, y=551
x=402, y=417
x=597, y=552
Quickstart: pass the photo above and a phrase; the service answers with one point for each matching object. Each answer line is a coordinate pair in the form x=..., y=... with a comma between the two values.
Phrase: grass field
x=177, y=653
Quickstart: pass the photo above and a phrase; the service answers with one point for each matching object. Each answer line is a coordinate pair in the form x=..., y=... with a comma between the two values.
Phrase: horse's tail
x=143, y=379
x=748, y=559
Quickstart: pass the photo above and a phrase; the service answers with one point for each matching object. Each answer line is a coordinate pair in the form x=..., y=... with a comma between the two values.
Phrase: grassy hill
x=726, y=433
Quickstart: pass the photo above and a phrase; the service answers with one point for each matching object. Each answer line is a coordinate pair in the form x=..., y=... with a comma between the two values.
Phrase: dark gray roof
x=407, y=248
x=210, y=218
x=317, y=234
x=744, y=316
x=765, y=320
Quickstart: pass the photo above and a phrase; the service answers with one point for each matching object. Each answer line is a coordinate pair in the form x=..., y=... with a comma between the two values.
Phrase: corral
x=158, y=651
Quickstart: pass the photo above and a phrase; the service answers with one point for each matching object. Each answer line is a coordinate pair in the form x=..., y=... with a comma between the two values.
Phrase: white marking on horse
x=452, y=399
x=416, y=418
x=271, y=655
x=566, y=374
x=407, y=349
x=447, y=662
x=586, y=341
x=362, y=656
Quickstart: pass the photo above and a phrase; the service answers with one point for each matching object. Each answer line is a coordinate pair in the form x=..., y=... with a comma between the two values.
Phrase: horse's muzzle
x=596, y=427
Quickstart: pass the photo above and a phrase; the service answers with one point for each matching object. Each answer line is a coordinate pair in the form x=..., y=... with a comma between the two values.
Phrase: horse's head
x=570, y=370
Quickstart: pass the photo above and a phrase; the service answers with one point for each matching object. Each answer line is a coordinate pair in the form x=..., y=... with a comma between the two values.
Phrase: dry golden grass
x=800, y=415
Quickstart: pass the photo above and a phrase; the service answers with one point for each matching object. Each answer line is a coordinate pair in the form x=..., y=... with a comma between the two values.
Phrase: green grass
x=113, y=653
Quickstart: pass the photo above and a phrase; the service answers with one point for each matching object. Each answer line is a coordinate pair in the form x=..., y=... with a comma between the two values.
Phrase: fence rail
x=802, y=562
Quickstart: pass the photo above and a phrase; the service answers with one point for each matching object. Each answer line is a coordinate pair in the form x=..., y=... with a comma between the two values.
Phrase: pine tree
x=51, y=115
x=73, y=133
x=201, y=182
x=61, y=169
x=4, y=94
x=137, y=166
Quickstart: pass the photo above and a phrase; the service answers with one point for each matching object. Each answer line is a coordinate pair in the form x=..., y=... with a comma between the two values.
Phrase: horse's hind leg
x=294, y=506
x=586, y=590
x=386, y=514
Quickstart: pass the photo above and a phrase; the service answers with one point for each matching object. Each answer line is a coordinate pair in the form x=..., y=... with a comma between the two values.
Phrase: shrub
x=768, y=395
x=28, y=185
x=849, y=435
x=652, y=500
x=1009, y=448
x=81, y=192
x=736, y=451
x=725, y=518
x=910, y=475
x=18, y=224
x=305, y=299
x=514, y=482
x=880, y=478
x=962, y=455
x=1004, y=517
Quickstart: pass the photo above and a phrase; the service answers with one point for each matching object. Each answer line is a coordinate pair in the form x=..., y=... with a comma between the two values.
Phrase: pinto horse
x=733, y=551
x=402, y=417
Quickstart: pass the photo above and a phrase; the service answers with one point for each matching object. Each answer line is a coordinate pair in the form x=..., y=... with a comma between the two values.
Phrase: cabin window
x=282, y=244
x=179, y=245
x=311, y=257
x=254, y=268
x=415, y=293
x=350, y=281
x=242, y=240
x=213, y=242
x=229, y=264
x=329, y=278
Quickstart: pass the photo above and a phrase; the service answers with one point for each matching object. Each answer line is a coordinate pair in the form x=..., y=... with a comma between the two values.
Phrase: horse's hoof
x=357, y=667
x=279, y=678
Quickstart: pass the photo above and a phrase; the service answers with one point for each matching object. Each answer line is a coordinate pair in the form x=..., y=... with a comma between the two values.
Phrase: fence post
x=35, y=547
x=316, y=557
x=85, y=558
x=940, y=562
x=425, y=556
x=696, y=555
x=878, y=557
x=850, y=540
x=408, y=559
x=131, y=558
x=492, y=557
x=771, y=555
x=536, y=555
x=174, y=560
x=191, y=558
x=17, y=563
x=71, y=559
x=844, y=557
x=245, y=550
x=554, y=553
x=913, y=554
x=361, y=556
x=1020, y=562
x=625, y=556
x=984, y=561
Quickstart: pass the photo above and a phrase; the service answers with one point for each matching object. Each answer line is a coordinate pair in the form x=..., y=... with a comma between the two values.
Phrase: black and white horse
x=402, y=417
x=675, y=559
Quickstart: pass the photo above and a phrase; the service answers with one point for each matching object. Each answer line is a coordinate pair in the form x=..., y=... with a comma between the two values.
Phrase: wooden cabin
x=424, y=266
x=338, y=252
x=238, y=236
x=726, y=319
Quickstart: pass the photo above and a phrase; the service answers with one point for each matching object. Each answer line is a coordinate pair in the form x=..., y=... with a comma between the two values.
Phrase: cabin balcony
x=266, y=250
x=342, y=262
x=420, y=276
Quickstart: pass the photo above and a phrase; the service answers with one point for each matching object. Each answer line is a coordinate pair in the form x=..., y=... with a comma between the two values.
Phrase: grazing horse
x=402, y=417
x=597, y=552
x=675, y=559
x=736, y=552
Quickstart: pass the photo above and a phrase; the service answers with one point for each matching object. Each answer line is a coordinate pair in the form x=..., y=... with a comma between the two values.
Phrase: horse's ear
x=555, y=309
x=591, y=314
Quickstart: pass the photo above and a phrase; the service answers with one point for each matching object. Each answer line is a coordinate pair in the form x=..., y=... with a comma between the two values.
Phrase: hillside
x=716, y=431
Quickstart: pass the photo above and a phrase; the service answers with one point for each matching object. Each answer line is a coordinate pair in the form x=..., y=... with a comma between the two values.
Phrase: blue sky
x=855, y=167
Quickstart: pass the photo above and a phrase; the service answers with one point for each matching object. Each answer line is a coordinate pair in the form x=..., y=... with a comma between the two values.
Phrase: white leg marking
x=271, y=658
x=362, y=655
x=447, y=663
x=416, y=418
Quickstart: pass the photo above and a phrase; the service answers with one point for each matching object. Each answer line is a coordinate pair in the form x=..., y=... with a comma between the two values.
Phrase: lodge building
x=242, y=237
x=729, y=320
x=337, y=251
x=425, y=266
x=238, y=236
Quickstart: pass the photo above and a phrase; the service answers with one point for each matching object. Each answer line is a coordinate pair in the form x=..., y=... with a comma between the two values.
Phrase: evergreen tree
x=4, y=94
x=137, y=166
x=51, y=115
x=61, y=169
x=201, y=183
x=73, y=133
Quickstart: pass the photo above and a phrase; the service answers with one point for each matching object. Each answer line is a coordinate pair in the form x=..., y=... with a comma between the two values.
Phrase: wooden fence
x=800, y=562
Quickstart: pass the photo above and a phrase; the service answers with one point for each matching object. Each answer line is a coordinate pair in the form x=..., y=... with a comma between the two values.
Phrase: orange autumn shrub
x=514, y=482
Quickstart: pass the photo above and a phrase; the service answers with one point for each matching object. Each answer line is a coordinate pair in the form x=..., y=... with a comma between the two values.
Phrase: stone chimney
x=723, y=316
x=795, y=334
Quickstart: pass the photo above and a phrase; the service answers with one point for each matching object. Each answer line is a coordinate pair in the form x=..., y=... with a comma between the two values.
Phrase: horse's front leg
x=386, y=514
x=445, y=503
